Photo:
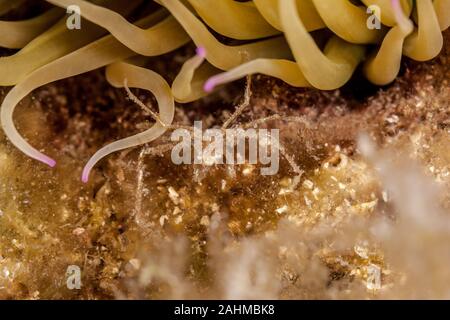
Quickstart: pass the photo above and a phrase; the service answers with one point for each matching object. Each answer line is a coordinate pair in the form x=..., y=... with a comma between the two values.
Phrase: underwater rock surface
x=365, y=220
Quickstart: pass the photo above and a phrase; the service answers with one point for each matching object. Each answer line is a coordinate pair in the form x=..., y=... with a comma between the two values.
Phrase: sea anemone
x=306, y=43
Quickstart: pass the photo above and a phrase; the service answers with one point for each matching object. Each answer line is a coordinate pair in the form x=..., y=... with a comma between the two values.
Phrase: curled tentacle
x=306, y=10
x=219, y=55
x=53, y=44
x=348, y=21
x=324, y=70
x=427, y=41
x=237, y=20
x=134, y=37
x=139, y=78
x=383, y=66
x=387, y=13
x=286, y=70
x=188, y=84
x=17, y=34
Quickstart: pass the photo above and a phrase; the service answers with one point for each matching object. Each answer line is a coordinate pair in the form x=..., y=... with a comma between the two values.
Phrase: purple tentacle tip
x=201, y=51
x=210, y=84
x=396, y=4
x=398, y=11
x=48, y=161
x=85, y=176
